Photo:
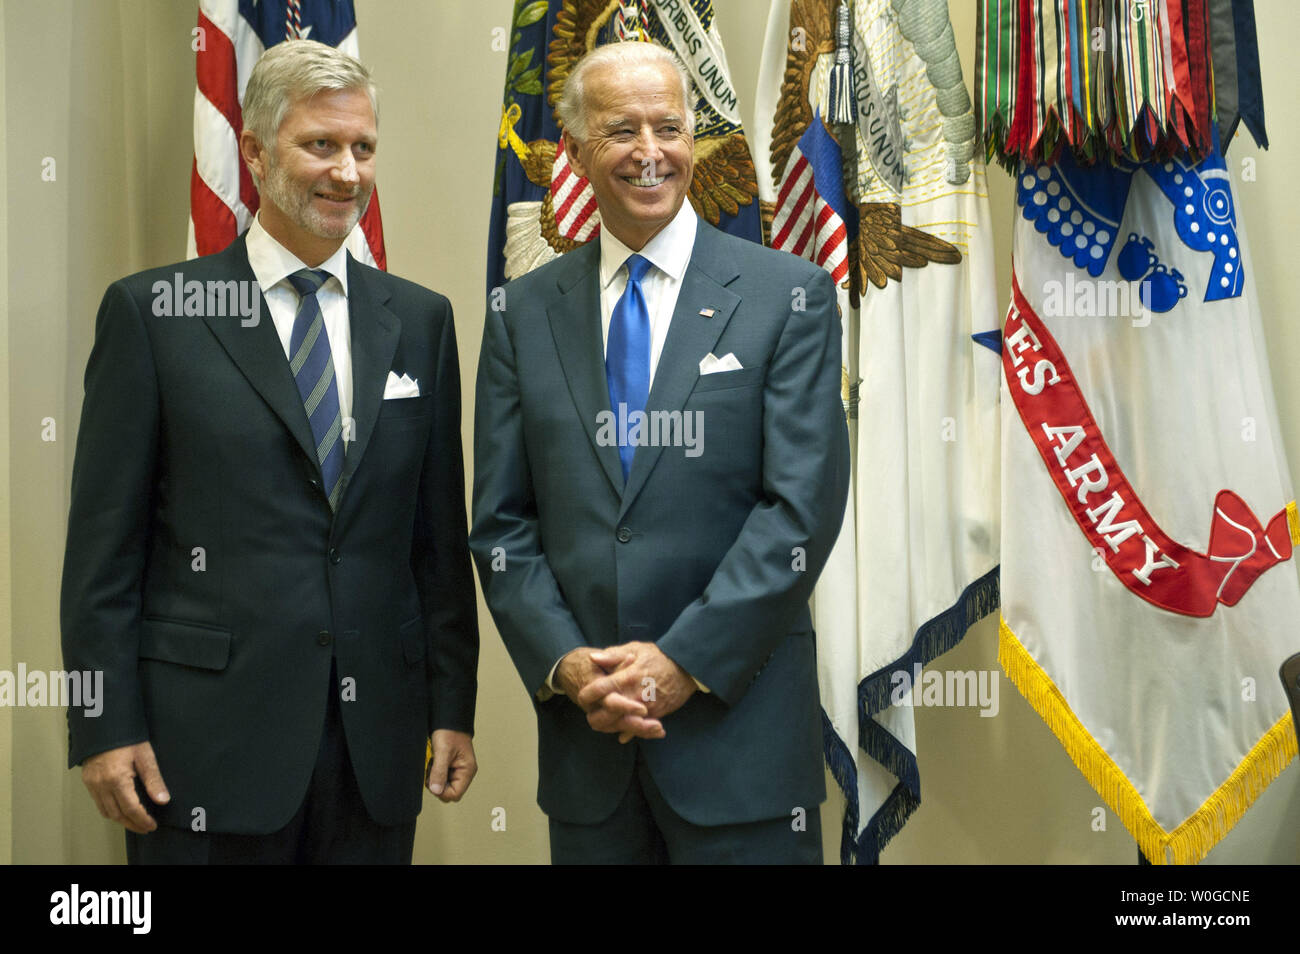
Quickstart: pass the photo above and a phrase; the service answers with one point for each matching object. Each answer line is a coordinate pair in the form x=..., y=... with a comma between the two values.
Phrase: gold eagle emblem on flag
x=882, y=246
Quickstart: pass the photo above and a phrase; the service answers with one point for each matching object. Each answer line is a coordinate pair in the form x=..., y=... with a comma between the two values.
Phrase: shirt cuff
x=549, y=688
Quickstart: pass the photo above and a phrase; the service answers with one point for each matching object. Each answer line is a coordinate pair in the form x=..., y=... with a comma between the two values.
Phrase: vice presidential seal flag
x=540, y=207
x=869, y=169
x=230, y=38
x=1149, y=588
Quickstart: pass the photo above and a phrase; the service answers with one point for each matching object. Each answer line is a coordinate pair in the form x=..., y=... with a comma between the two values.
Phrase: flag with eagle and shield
x=868, y=168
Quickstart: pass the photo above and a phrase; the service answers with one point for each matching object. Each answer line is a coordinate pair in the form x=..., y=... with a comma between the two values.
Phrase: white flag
x=1147, y=503
x=907, y=239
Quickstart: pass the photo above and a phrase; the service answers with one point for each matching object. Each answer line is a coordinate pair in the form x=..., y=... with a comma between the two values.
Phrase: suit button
x=334, y=556
x=624, y=534
x=323, y=638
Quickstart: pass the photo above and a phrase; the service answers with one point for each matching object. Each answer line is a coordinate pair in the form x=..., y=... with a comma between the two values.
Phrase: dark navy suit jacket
x=193, y=435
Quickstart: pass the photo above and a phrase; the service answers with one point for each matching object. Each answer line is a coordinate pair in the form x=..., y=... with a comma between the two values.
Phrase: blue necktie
x=627, y=354
x=313, y=370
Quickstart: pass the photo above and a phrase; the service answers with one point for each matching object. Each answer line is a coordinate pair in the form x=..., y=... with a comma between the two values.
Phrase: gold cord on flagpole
x=506, y=135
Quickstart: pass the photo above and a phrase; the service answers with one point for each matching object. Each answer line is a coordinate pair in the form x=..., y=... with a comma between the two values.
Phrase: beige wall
x=6, y=545
x=106, y=87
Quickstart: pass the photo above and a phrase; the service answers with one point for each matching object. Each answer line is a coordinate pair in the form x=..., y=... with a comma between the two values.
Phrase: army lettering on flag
x=230, y=38
x=875, y=87
x=1149, y=591
x=541, y=208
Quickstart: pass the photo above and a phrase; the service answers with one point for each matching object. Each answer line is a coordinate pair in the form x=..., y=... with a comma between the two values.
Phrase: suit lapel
x=258, y=354
x=375, y=332
x=574, y=315
x=691, y=336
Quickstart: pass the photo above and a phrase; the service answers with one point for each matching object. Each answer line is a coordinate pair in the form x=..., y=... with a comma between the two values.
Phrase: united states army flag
x=1148, y=588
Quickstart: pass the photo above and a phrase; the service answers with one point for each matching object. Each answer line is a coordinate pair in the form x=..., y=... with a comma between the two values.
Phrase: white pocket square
x=712, y=364
x=402, y=387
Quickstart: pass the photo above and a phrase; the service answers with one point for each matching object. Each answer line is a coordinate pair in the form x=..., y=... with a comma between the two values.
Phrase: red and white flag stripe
x=223, y=198
x=805, y=225
x=574, y=201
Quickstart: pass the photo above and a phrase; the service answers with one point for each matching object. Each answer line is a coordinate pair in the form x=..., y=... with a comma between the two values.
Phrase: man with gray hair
x=661, y=468
x=267, y=552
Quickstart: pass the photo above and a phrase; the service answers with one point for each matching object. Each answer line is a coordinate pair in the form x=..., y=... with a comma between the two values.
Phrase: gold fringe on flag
x=1191, y=841
x=1293, y=523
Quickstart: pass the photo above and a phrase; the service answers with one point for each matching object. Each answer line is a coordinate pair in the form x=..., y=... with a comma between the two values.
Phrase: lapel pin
x=707, y=312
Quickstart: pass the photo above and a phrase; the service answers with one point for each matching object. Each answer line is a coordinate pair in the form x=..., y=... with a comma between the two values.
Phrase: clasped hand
x=626, y=689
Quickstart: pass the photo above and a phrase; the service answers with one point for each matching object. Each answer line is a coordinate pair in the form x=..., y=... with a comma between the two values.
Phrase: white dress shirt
x=669, y=252
x=272, y=265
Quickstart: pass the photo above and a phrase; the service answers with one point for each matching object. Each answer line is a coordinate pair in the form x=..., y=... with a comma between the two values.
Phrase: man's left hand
x=453, y=766
x=642, y=672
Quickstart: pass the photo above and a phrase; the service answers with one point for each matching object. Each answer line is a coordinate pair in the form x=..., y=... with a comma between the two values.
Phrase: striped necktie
x=627, y=354
x=313, y=370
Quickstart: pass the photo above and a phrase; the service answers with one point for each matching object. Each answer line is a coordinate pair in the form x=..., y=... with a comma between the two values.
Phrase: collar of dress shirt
x=669, y=251
x=272, y=263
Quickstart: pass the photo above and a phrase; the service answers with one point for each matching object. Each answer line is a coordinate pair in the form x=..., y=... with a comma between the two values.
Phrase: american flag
x=234, y=34
x=812, y=218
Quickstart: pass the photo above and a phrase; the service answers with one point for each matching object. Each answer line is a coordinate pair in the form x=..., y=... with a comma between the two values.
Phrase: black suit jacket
x=711, y=554
x=207, y=577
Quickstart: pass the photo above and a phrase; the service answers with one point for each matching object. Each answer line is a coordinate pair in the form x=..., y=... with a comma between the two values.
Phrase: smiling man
x=267, y=553
x=653, y=590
